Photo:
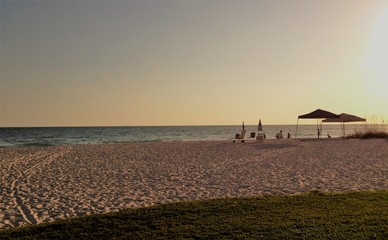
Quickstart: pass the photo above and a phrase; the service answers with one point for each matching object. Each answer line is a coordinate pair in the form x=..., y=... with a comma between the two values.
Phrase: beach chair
x=240, y=136
x=260, y=136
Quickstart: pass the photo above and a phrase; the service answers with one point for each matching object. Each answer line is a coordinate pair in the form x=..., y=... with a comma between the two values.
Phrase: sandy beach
x=39, y=184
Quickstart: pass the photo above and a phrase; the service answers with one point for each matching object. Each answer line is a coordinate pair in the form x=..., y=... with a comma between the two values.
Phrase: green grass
x=314, y=215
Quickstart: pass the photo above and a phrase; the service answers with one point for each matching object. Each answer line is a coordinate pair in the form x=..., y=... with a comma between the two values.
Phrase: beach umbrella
x=243, y=126
x=260, y=127
x=344, y=118
x=317, y=114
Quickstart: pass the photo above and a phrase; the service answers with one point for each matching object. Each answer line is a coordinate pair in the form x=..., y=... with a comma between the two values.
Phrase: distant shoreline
x=63, y=136
x=204, y=125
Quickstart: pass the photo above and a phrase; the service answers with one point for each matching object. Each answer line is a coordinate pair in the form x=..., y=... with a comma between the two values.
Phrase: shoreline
x=107, y=135
x=247, y=140
x=46, y=183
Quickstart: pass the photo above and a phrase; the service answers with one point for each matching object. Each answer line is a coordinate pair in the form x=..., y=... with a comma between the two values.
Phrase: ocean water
x=51, y=136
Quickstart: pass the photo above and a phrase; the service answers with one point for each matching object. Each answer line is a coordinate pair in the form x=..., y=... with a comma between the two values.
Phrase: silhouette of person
x=279, y=134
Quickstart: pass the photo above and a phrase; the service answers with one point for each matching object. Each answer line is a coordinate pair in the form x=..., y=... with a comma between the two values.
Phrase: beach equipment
x=240, y=136
x=344, y=118
x=260, y=135
x=317, y=114
x=260, y=126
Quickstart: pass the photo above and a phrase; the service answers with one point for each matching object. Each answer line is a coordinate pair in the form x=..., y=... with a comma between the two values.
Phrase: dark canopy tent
x=344, y=118
x=317, y=114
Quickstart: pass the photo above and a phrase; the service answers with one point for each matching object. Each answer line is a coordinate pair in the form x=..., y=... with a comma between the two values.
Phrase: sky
x=205, y=62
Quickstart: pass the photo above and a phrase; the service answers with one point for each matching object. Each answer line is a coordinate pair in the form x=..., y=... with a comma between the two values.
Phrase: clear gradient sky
x=208, y=62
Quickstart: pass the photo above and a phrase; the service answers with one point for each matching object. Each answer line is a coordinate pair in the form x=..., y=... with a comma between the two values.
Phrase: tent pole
x=296, y=131
x=318, y=127
x=344, y=129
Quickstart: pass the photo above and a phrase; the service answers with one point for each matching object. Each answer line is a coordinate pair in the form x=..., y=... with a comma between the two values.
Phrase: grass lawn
x=314, y=215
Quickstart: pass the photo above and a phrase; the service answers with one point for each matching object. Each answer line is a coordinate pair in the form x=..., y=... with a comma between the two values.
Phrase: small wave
x=129, y=141
x=36, y=144
x=151, y=140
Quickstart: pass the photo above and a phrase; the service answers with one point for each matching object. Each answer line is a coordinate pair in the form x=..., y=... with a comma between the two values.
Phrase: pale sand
x=45, y=183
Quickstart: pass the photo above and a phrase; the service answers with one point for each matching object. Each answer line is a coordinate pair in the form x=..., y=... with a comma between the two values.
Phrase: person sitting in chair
x=279, y=134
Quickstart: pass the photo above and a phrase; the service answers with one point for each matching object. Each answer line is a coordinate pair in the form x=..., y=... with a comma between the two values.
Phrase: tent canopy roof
x=319, y=113
x=344, y=117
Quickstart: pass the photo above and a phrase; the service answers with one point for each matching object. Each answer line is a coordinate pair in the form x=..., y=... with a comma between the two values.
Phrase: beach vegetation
x=313, y=215
x=372, y=130
x=369, y=134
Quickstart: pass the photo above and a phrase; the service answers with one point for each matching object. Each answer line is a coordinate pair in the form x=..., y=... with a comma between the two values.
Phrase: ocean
x=53, y=136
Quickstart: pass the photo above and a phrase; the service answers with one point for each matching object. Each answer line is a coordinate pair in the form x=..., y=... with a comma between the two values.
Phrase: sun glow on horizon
x=376, y=61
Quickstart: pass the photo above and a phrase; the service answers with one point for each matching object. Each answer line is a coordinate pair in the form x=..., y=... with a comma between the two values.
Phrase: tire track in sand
x=27, y=213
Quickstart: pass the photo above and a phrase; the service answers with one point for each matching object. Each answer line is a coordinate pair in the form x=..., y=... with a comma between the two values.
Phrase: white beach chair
x=240, y=136
x=260, y=136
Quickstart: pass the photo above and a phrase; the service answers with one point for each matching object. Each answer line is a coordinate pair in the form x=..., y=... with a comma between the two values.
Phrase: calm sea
x=51, y=136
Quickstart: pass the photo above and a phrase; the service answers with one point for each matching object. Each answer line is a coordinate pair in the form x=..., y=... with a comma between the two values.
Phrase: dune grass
x=374, y=130
x=374, y=135
x=314, y=215
x=370, y=134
